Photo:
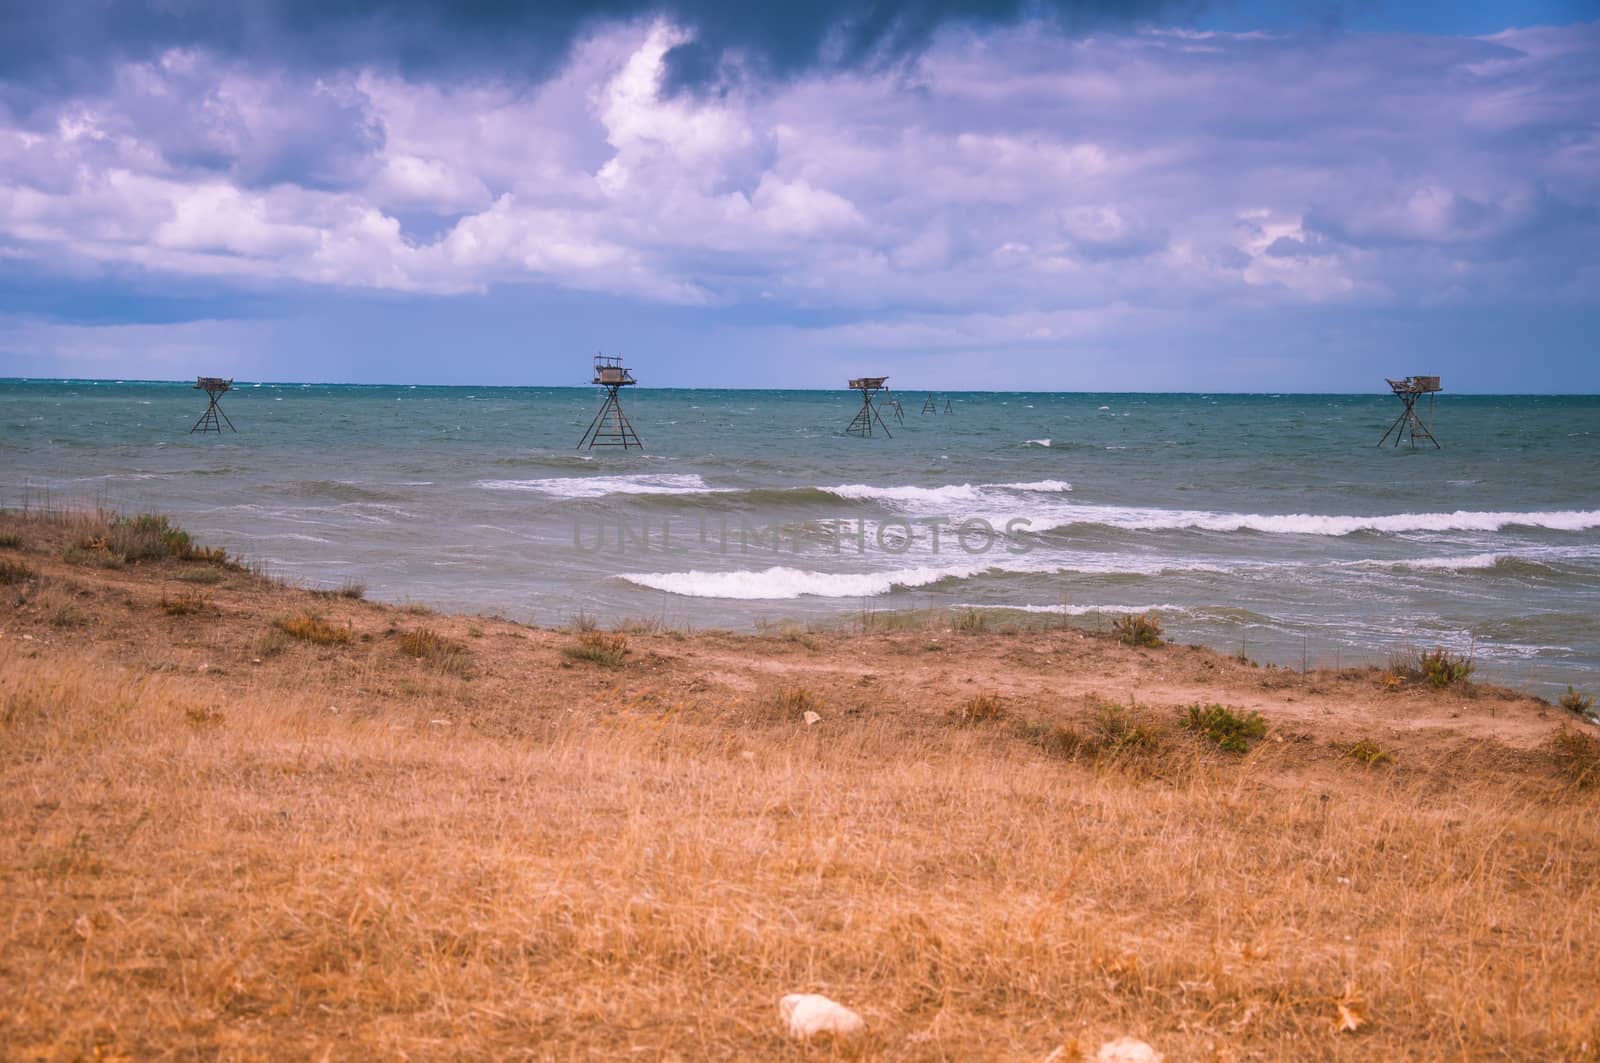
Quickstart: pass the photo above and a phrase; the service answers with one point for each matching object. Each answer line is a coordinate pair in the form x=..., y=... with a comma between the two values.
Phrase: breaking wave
x=1314, y=523
x=600, y=486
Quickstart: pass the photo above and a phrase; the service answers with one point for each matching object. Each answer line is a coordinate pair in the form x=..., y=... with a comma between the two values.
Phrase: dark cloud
x=51, y=47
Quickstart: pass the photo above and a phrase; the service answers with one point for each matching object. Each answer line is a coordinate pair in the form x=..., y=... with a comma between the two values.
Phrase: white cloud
x=1014, y=174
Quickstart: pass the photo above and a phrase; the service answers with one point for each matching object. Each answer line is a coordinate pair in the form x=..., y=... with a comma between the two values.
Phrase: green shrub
x=1577, y=701
x=1140, y=630
x=11, y=541
x=1223, y=727
x=1441, y=668
x=1367, y=752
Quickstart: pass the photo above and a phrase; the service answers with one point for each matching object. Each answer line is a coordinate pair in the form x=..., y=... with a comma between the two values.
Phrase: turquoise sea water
x=1268, y=522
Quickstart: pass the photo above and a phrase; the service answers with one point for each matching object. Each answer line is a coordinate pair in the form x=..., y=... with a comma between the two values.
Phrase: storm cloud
x=943, y=177
x=65, y=46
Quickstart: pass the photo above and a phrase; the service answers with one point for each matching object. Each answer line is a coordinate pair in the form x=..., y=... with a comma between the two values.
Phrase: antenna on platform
x=213, y=419
x=1410, y=422
x=861, y=425
x=611, y=427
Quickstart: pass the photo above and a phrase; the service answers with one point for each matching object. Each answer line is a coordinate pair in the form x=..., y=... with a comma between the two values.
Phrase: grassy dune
x=272, y=823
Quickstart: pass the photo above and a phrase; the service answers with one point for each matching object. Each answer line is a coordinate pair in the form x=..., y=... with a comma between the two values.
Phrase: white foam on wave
x=1036, y=442
x=1316, y=523
x=942, y=495
x=1039, y=486
x=600, y=486
x=1066, y=609
x=927, y=495
x=782, y=581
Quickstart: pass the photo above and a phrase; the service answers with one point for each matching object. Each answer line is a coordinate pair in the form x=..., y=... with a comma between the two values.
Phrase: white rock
x=1127, y=1050
x=811, y=718
x=808, y=1014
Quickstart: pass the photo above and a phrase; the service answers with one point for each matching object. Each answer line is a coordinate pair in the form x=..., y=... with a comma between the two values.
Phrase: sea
x=1269, y=525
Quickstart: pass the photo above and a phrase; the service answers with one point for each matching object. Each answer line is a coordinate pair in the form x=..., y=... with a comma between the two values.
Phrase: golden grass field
x=249, y=821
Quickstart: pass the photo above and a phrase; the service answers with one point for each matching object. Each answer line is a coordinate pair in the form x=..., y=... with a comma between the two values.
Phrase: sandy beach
x=249, y=820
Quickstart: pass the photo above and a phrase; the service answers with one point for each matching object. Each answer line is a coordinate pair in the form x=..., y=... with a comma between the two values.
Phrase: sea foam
x=600, y=486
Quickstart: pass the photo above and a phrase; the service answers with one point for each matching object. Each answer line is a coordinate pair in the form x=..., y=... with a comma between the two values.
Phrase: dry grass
x=323, y=855
x=982, y=708
x=788, y=704
x=264, y=878
x=309, y=627
x=1576, y=701
x=349, y=589
x=1578, y=754
x=205, y=576
x=14, y=572
x=596, y=647
x=444, y=654
x=185, y=603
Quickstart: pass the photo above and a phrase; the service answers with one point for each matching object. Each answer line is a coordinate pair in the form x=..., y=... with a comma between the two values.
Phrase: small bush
x=583, y=623
x=1367, y=752
x=148, y=537
x=116, y=541
x=984, y=708
x=184, y=604
x=1116, y=729
x=207, y=576
x=1223, y=727
x=1054, y=739
x=1441, y=668
x=971, y=622
x=10, y=541
x=312, y=628
x=445, y=654
x=14, y=572
x=1577, y=754
x=1577, y=701
x=347, y=589
x=272, y=643
x=608, y=651
x=792, y=703
x=1140, y=630
x=417, y=609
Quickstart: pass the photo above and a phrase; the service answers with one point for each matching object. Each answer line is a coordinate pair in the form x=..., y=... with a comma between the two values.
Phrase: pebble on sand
x=1127, y=1050
x=809, y=1014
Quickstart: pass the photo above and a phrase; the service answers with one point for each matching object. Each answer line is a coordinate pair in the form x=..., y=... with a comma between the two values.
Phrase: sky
x=1128, y=195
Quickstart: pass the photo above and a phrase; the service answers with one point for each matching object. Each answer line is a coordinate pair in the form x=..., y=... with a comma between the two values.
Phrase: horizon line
x=818, y=389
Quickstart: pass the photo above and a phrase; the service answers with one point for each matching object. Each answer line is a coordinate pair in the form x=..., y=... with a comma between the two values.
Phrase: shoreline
x=256, y=818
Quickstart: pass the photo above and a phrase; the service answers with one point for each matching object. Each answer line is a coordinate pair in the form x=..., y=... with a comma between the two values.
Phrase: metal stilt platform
x=1410, y=422
x=610, y=427
x=214, y=418
x=861, y=424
